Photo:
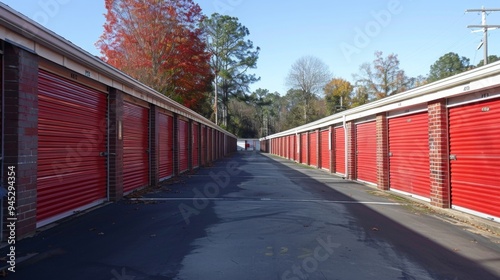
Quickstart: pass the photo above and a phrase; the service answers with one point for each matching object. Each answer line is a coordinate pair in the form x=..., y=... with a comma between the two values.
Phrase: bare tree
x=382, y=78
x=309, y=75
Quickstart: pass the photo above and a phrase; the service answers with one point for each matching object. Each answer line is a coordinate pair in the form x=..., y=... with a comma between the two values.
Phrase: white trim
x=366, y=120
x=419, y=197
x=476, y=213
x=69, y=213
x=471, y=98
x=408, y=111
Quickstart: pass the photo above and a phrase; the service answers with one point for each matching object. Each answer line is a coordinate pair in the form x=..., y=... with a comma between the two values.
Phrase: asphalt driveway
x=255, y=216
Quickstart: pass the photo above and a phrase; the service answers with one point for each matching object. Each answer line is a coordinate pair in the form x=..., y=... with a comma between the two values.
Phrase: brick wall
x=438, y=154
x=154, y=177
x=21, y=132
x=351, y=150
x=382, y=152
x=332, y=149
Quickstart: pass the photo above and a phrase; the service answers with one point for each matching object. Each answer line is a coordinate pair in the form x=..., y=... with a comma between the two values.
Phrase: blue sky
x=343, y=34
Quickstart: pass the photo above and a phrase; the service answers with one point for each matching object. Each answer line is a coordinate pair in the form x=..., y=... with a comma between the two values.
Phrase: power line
x=485, y=28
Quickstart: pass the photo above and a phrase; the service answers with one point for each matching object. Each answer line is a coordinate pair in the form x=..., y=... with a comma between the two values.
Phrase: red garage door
x=409, y=154
x=135, y=146
x=313, y=148
x=195, y=148
x=165, y=146
x=366, y=152
x=71, y=174
x=475, y=154
x=182, y=128
x=339, y=150
x=325, y=149
x=303, y=148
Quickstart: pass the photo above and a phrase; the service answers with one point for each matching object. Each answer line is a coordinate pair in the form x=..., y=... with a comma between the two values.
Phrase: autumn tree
x=308, y=75
x=448, y=65
x=338, y=95
x=232, y=56
x=161, y=44
x=382, y=78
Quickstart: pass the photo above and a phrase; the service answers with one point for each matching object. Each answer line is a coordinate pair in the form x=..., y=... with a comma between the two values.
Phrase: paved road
x=258, y=217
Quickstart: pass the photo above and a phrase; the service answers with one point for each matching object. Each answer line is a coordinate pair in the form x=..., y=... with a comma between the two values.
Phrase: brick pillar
x=21, y=134
x=308, y=149
x=318, y=143
x=154, y=176
x=438, y=154
x=190, y=145
x=332, y=149
x=175, y=134
x=351, y=150
x=115, y=143
x=382, y=152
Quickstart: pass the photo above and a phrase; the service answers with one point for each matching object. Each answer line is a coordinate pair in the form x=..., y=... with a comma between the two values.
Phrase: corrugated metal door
x=366, y=152
x=196, y=141
x=409, y=154
x=71, y=174
x=313, y=148
x=203, y=139
x=293, y=147
x=339, y=150
x=135, y=146
x=165, y=146
x=475, y=157
x=303, y=148
x=183, y=132
x=325, y=149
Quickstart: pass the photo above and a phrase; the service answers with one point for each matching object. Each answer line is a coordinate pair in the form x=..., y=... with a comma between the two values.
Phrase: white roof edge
x=28, y=28
x=413, y=96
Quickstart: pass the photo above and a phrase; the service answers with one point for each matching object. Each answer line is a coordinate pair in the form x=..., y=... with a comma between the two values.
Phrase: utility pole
x=485, y=28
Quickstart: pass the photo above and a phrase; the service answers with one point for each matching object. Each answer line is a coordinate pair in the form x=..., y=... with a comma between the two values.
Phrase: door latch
x=453, y=157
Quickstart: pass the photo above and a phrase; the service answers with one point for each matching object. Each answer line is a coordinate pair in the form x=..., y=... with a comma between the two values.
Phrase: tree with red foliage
x=159, y=43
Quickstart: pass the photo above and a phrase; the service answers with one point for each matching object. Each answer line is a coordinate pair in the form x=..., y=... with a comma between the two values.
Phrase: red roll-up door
x=183, y=132
x=135, y=146
x=165, y=146
x=475, y=157
x=409, y=154
x=339, y=150
x=366, y=152
x=203, y=145
x=303, y=148
x=292, y=147
x=71, y=174
x=325, y=149
x=195, y=148
x=313, y=148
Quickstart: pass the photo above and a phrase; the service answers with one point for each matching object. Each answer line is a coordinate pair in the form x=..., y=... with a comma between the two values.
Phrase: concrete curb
x=475, y=221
